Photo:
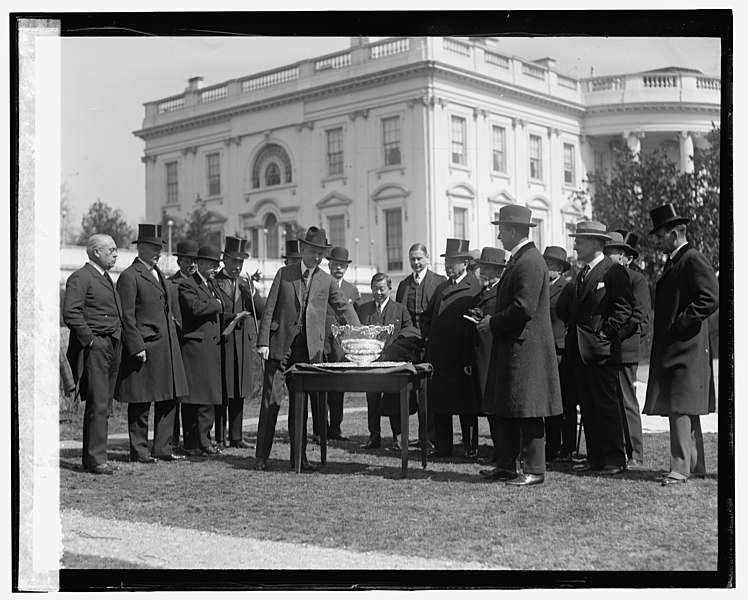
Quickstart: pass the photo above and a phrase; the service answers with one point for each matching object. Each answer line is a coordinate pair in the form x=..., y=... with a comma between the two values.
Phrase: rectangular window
x=393, y=222
x=458, y=141
x=599, y=163
x=336, y=230
x=391, y=140
x=214, y=174
x=172, y=188
x=498, y=147
x=536, y=157
x=459, y=222
x=569, y=164
x=335, y=151
x=537, y=233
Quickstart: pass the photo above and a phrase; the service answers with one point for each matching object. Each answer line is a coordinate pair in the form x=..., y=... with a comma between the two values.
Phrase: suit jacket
x=599, y=312
x=236, y=295
x=91, y=307
x=282, y=317
x=394, y=314
x=555, y=293
x=175, y=280
x=201, y=340
x=523, y=379
x=444, y=330
x=333, y=351
x=424, y=292
x=680, y=367
x=478, y=345
x=149, y=325
x=627, y=350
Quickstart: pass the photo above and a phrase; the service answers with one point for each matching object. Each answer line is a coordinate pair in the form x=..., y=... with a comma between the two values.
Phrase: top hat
x=186, y=249
x=234, y=247
x=618, y=241
x=591, y=229
x=316, y=237
x=558, y=254
x=515, y=215
x=340, y=254
x=292, y=249
x=209, y=252
x=631, y=240
x=457, y=249
x=665, y=215
x=149, y=233
x=492, y=256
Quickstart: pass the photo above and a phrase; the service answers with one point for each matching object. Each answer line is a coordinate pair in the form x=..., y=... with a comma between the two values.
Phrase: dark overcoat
x=423, y=293
x=201, y=340
x=236, y=295
x=523, y=379
x=681, y=380
x=175, y=280
x=333, y=350
x=555, y=294
x=627, y=350
x=444, y=329
x=149, y=325
x=478, y=345
x=281, y=318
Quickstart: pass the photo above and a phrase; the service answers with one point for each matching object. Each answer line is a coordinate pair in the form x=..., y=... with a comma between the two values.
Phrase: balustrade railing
x=457, y=47
x=389, y=48
x=338, y=61
x=566, y=82
x=170, y=105
x=270, y=79
x=215, y=93
x=603, y=84
x=660, y=81
x=708, y=83
x=496, y=59
x=533, y=71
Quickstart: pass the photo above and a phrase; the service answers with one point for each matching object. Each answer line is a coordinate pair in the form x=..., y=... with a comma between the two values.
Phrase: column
x=633, y=139
x=686, y=151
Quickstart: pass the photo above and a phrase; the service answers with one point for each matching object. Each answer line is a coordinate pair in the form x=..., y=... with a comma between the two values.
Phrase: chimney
x=548, y=63
x=358, y=41
x=194, y=84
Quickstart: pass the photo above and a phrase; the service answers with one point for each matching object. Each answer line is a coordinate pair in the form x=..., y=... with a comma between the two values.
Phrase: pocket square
x=600, y=286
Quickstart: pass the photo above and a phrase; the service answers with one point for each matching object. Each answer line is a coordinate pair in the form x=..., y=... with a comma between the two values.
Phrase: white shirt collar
x=518, y=246
x=421, y=275
x=386, y=300
x=595, y=261
x=674, y=252
x=555, y=280
x=205, y=281
x=460, y=278
x=97, y=267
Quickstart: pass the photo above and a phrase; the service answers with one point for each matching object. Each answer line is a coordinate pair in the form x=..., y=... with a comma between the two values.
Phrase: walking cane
x=254, y=316
x=579, y=435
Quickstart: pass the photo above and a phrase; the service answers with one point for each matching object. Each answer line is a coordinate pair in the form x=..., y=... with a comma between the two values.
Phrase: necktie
x=379, y=308
x=306, y=277
x=108, y=279
x=417, y=278
x=582, y=276
x=668, y=265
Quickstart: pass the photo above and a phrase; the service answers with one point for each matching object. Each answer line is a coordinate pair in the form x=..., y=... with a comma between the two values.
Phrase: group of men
x=509, y=338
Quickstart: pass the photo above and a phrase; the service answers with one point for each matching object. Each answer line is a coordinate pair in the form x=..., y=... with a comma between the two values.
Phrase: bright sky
x=106, y=81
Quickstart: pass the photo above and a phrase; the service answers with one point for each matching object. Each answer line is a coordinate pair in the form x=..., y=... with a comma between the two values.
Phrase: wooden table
x=362, y=380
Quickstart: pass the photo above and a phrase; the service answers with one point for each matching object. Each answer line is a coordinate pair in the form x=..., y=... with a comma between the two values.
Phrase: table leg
x=404, y=424
x=422, y=398
x=322, y=420
x=298, y=429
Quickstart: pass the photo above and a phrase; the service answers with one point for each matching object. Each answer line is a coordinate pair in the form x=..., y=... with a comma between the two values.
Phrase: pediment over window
x=573, y=208
x=502, y=197
x=334, y=199
x=260, y=206
x=216, y=216
x=539, y=203
x=390, y=190
x=461, y=190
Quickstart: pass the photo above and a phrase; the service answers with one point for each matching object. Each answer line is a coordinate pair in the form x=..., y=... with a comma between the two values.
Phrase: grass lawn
x=357, y=502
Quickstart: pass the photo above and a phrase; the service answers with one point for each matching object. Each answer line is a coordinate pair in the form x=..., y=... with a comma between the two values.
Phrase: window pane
x=458, y=141
x=214, y=174
x=335, y=151
x=536, y=157
x=537, y=234
x=598, y=163
x=391, y=139
x=272, y=247
x=568, y=164
x=394, y=239
x=498, y=140
x=272, y=174
x=336, y=230
x=459, y=216
x=172, y=191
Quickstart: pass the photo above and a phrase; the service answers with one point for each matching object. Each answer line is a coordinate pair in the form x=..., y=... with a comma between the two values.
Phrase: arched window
x=275, y=155
x=272, y=174
x=272, y=247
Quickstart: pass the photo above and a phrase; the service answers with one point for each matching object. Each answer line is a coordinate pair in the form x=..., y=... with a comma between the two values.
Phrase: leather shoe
x=241, y=444
x=102, y=469
x=193, y=452
x=488, y=460
x=612, y=470
x=634, y=464
x=396, y=447
x=584, y=467
x=669, y=480
x=170, y=457
x=338, y=436
x=526, y=479
x=145, y=460
x=261, y=464
x=437, y=454
x=498, y=473
x=212, y=451
x=371, y=444
x=470, y=454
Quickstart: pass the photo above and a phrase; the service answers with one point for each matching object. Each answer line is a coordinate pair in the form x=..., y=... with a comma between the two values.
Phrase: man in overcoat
x=681, y=381
x=523, y=386
x=240, y=299
x=444, y=328
x=152, y=370
x=603, y=303
x=201, y=349
x=293, y=331
x=92, y=310
x=626, y=352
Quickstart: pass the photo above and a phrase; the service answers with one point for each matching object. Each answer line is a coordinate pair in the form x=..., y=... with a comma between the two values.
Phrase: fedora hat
x=591, y=229
x=631, y=240
x=186, y=249
x=617, y=241
x=665, y=215
x=558, y=254
x=340, y=254
x=209, y=252
x=147, y=232
x=234, y=247
x=492, y=256
x=457, y=249
x=316, y=237
x=292, y=249
x=474, y=255
x=515, y=215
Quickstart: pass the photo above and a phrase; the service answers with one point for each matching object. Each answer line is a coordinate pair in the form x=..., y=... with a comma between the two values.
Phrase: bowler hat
x=316, y=237
x=558, y=254
x=492, y=256
x=617, y=241
x=234, y=247
x=515, y=215
x=209, y=252
x=457, y=249
x=665, y=215
x=149, y=233
x=340, y=254
x=591, y=229
x=186, y=249
x=631, y=240
x=292, y=249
